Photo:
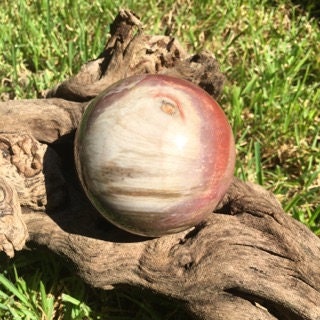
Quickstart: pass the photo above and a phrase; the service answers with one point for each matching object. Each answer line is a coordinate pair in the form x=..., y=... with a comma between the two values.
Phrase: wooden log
x=248, y=260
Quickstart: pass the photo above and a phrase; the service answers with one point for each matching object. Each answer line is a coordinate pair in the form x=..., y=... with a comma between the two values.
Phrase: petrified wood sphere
x=155, y=154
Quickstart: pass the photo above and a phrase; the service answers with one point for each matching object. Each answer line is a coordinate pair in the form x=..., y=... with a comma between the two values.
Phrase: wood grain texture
x=130, y=51
x=248, y=260
x=45, y=119
x=13, y=231
x=256, y=263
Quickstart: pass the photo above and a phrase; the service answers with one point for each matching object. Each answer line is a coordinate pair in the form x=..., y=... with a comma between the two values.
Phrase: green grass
x=42, y=287
x=269, y=51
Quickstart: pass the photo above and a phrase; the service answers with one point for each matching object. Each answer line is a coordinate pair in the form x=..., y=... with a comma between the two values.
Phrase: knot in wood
x=22, y=152
x=185, y=261
x=13, y=231
x=22, y=163
x=6, y=196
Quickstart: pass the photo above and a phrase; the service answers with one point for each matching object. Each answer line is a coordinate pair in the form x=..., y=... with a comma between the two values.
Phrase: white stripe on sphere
x=146, y=149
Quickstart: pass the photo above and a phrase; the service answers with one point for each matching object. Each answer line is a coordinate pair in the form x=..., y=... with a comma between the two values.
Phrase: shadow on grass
x=311, y=7
x=59, y=279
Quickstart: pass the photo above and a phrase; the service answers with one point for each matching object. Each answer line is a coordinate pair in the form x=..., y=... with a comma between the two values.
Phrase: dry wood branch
x=248, y=260
x=45, y=119
x=128, y=52
x=258, y=263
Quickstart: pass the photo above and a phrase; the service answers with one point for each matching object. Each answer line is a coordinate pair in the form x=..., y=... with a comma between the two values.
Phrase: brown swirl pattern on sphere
x=155, y=154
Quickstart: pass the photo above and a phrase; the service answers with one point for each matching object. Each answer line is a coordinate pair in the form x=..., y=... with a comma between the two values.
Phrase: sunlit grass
x=269, y=52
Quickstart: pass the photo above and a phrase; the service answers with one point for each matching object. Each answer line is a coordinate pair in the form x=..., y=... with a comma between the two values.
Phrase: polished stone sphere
x=155, y=154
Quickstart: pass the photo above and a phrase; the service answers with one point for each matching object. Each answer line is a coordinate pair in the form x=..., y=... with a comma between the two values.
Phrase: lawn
x=269, y=52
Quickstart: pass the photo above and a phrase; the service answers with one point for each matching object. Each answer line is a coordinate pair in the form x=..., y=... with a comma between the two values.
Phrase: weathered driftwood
x=248, y=260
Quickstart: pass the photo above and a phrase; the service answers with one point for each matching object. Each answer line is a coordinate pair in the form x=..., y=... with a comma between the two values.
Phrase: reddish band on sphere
x=155, y=154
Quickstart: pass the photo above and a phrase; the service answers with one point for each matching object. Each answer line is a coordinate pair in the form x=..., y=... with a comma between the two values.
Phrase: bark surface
x=248, y=260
